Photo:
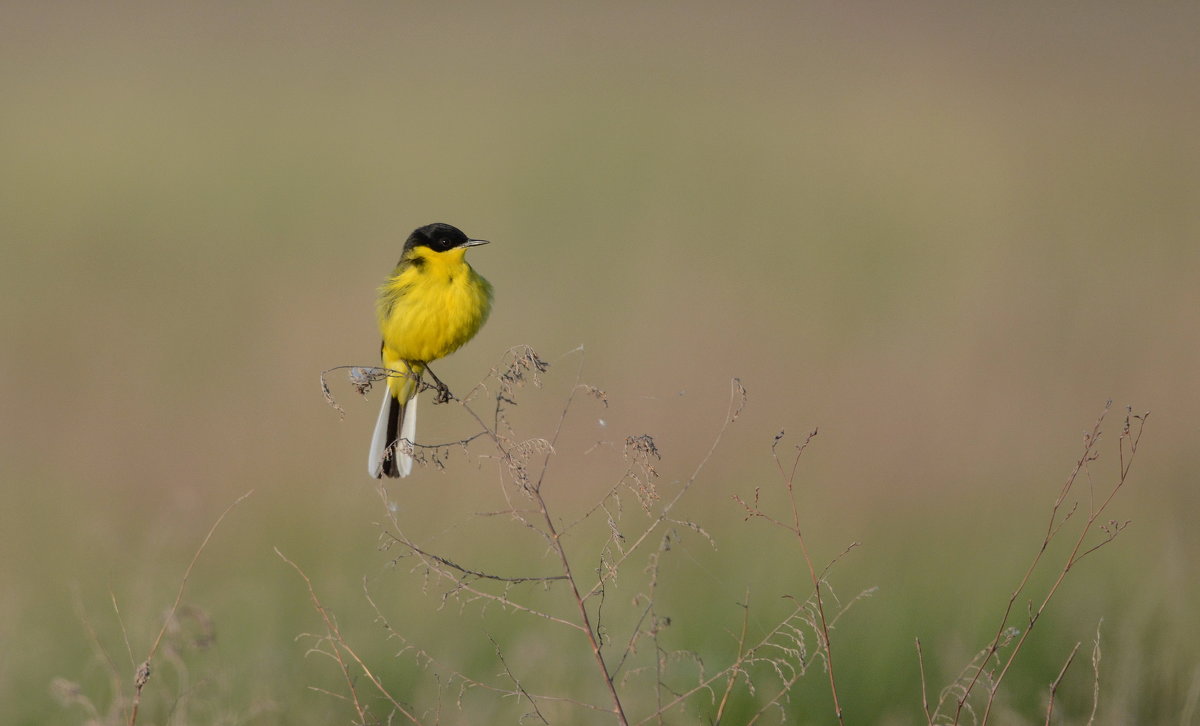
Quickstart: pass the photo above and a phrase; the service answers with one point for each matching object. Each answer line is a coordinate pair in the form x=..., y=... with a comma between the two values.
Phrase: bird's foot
x=443, y=393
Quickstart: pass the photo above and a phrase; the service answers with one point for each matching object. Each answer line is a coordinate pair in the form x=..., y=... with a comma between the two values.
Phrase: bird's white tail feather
x=408, y=432
x=379, y=442
x=379, y=439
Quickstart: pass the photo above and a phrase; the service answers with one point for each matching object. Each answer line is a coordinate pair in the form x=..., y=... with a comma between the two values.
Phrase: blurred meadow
x=944, y=234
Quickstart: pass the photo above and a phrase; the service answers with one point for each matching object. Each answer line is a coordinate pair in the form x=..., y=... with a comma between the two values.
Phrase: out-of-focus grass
x=943, y=235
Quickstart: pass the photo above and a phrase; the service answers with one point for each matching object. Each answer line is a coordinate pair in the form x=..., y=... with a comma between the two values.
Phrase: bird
x=429, y=307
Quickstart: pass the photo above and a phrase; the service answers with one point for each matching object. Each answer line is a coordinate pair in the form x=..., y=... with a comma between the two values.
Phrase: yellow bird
x=431, y=305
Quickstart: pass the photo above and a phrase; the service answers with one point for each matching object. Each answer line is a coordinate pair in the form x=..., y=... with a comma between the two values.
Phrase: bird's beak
x=475, y=242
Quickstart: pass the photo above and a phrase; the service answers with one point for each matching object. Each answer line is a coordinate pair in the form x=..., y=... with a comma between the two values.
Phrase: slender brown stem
x=924, y=692
x=584, y=617
x=339, y=646
x=555, y=539
x=1127, y=446
x=142, y=675
x=1057, y=681
x=1076, y=552
x=741, y=650
x=789, y=478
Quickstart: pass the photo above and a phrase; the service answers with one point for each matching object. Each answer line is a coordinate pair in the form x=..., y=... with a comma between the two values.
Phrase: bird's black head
x=440, y=237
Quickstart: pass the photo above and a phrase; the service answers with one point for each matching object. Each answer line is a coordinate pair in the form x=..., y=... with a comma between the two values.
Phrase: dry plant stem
x=339, y=645
x=737, y=399
x=555, y=539
x=789, y=480
x=584, y=617
x=1057, y=681
x=121, y=621
x=116, y=684
x=649, y=613
x=451, y=564
x=741, y=650
x=461, y=576
x=114, y=674
x=924, y=692
x=1096, y=676
x=806, y=606
x=541, y=519
x=425, y=658
x=517, y=683
x=737, y=666
x=142, y=675
x=1129, y=438
x=554, y=536
x=815, y=605
x=333, y=633
x=634, y=635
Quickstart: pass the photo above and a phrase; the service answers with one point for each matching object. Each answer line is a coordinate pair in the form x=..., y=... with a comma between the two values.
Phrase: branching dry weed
x=599, y=595
x=987, y=671
x=627, y=641
x=184, y=627
x=641, y=675
x=817, y=620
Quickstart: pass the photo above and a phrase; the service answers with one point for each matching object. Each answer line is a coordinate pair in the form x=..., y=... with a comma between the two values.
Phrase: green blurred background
x=943, y=233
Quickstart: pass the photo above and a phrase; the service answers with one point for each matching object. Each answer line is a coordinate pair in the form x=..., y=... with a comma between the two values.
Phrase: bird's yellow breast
x=433, y=303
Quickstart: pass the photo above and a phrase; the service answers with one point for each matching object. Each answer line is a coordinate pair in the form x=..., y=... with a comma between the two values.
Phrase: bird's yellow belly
x=432, y=319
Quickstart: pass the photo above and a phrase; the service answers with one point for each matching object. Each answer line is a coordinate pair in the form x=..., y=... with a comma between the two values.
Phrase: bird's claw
x=443, y=393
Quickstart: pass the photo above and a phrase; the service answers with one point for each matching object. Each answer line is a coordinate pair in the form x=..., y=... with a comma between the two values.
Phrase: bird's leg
x=443, y=391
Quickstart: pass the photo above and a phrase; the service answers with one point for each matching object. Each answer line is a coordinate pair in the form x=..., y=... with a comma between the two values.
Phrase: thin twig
x=1057, y=681
x=461, y=577
x=737, y=401
x=114, y=674
x=426, y=659
x=142, y=675
x=584, y=617
x=816, y=580
x=555, y=539
x=401, y=540
x=733, y=673
x=339, y=645
x=1096, y=675
x=1076, y=554
x=1090, y=442
x=924, y=693
x=1128, y=442
x=516, y=682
